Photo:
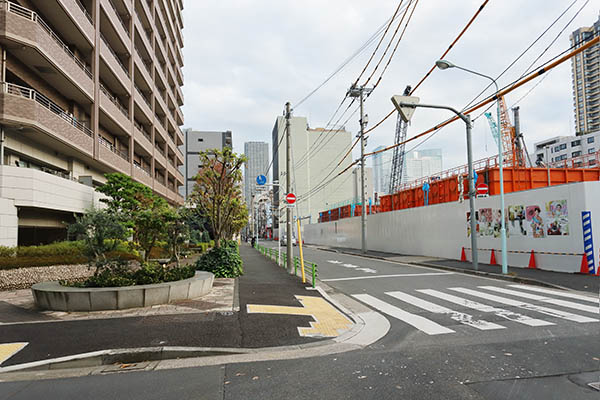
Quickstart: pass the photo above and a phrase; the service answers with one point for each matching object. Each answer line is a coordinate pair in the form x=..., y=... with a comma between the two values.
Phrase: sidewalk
x=282, y=316
x=580, y=282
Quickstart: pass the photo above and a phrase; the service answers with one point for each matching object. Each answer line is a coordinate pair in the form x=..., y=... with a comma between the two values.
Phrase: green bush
x=224, y=262
x=118, y=273
x=7, y=251
x=41, y=261
x=54, y=249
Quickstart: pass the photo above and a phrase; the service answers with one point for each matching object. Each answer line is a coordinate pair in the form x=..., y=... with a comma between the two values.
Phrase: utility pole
x=288, y=186
x=359, y=91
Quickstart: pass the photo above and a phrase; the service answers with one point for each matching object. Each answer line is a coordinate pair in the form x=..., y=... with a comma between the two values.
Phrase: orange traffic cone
x=493, y=258
x=585, y=269
x=463, y=256
x=532, y=261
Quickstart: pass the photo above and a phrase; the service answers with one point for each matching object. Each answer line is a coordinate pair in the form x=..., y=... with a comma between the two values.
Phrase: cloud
x=245, y=58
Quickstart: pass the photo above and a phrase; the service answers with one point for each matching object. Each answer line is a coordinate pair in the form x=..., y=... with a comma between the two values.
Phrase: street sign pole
x=288, y=175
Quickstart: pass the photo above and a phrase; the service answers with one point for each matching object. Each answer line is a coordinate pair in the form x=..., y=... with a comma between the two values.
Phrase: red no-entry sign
x=290, y=198
x=482, y=189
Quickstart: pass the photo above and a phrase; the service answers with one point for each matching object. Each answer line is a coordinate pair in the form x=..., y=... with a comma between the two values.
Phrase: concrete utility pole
x=359, y=92
x=288, y=186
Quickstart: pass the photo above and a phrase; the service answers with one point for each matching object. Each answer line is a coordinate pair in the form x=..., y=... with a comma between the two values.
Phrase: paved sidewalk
x=581, y=282
x=218, y=320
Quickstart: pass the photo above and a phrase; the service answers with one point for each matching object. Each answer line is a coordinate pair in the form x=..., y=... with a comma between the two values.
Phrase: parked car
x=284, y=240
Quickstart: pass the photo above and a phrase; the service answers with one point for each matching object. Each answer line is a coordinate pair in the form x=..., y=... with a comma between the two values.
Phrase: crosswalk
x=528, y=307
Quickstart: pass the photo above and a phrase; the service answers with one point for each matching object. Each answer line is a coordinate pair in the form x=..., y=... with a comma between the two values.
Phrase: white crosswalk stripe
x=463, y=318
x=527, y=306
x=543, y=299
x=421, y=323
x=500, y=312
x=558, y=293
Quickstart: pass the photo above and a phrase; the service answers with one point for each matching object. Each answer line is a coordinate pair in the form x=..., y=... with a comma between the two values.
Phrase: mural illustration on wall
x=558, y=218
x=522, y=221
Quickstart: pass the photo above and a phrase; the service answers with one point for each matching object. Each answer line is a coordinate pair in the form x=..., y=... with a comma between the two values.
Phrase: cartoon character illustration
x=517, y=213
x=537, y=223
x=486, y=222
x=558, y=218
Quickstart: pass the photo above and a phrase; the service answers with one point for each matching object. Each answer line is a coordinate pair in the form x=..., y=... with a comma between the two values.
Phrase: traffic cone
x=493, y=258
x=585, y=269
x=532, y=264
x=463, y=256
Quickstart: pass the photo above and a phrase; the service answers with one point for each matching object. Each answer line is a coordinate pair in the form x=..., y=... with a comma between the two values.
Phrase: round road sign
x=290, y=198
x=482, y=189
x=261, y=179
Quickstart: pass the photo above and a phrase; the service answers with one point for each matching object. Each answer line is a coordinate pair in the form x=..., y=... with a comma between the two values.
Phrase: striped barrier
x=529, y=252
x=588, y=244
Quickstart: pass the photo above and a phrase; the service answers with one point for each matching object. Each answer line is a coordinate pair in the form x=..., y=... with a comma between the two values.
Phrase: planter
x=54, y=296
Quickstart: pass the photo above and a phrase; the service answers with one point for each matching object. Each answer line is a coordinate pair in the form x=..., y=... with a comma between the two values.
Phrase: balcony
x=159, y=188
x=142, y=175
x=143, y=103
x=80, y=17
x=144, y=35
x=114, y=110
x=144, y=67
x=160, y=158
x=113, y=157
x=114, y=63
x=27, y=107
x=33, y=42
x=119, y=26
x=142, y=138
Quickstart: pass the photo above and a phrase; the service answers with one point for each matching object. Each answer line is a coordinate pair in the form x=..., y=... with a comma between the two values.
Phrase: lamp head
x=444, y=64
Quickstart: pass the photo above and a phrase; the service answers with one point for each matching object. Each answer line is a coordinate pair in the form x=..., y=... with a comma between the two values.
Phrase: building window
x=563, y=146
x=575, y=143
x=576, y=154
x=591, y=139
x=591, y=150
x=201, y=139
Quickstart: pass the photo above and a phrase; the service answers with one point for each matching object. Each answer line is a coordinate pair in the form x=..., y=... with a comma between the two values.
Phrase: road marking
x=463, y=318
x=350, y=265
x=7, y=350
x=527, y=306
x=334, y=261
x=329, y=322
x=500, y=312
x=386, y=276
x=557, y=293
x=556, y=302
x=422, y=324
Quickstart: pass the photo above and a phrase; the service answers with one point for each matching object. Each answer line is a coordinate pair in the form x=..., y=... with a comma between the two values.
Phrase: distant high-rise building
x=356, y=185
x=421, y=163
x=315, y=157
x=382, y=163
x=195, y=143
x=257, y=154
x=586, y=80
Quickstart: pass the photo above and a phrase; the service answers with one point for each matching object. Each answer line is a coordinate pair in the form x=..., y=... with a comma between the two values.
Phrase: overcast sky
x=245, y=58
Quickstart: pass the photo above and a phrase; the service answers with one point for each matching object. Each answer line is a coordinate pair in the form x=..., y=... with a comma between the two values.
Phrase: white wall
x=8, y=223
x=441, y=230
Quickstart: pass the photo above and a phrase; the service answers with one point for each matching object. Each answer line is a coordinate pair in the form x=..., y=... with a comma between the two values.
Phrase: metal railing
x=141, y=128
x=85, y=11
x=123, y=67
x=273, y=254
x=119, y=16
x=123, y=154
x=33, y=16
x=144, y=62
x=143, y=97
x=45, y=102
x=143, y=169
x=114, y=100
x=591, y=160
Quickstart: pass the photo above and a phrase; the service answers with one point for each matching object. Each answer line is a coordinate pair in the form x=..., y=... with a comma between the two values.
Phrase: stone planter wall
x=53, y=296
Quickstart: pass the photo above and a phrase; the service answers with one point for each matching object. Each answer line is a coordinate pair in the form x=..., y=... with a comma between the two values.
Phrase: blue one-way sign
x=261, y=179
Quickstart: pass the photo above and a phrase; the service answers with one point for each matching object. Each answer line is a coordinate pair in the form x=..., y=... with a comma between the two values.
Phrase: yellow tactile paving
x=329, y=322
x=7, y=350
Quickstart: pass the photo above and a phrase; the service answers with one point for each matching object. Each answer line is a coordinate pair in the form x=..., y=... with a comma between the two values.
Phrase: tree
x=178, y=231
x=218, y=194
x=101, y=231
x=150, y=224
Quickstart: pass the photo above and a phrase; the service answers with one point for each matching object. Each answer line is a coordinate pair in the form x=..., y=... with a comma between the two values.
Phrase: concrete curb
x=369, y=326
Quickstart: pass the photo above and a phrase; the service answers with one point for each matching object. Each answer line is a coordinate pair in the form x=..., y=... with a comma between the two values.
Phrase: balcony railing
x=123, y=67
x=45, y=102
x=114, y=100
x=85, y=11
x=146, y=170
x=143, y=97
x=33, y=16
x=141, y=128
x=146, y=64
x=121, y=153
x=118, y=16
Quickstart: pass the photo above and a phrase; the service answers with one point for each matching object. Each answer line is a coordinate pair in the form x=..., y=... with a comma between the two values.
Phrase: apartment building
x=585, y=70
x=555, y=151
x=87, y=87
x=195, y=143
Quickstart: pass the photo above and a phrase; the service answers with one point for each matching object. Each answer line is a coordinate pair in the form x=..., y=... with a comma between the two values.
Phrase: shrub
x=7, y=251
x=40, y=261
x=54, y=249
x=224, y=262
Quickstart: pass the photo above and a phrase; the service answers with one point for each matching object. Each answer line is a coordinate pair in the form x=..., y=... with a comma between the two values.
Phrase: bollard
x=314, y=274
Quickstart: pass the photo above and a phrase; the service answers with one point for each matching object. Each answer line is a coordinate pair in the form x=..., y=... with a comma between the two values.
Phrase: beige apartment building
x=87, y=87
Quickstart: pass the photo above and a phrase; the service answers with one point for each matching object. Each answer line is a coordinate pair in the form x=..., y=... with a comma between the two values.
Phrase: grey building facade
x=585, y=69
x=257, y=154
x=195, y=143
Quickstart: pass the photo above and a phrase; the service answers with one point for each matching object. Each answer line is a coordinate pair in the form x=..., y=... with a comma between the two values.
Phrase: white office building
x=421, y=163
x=561, y=148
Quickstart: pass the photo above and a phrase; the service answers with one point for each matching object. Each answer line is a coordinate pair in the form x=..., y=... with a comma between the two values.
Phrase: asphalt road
x=452, y=336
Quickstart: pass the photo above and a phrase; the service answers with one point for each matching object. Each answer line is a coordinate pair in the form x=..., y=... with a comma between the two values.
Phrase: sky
x=244, y=59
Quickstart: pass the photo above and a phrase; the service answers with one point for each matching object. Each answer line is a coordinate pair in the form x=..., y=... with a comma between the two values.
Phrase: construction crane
x=399, y=153
x=512, y=143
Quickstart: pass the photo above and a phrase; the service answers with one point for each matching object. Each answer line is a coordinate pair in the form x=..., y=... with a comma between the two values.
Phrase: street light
x=445, y=64
x=406, y=106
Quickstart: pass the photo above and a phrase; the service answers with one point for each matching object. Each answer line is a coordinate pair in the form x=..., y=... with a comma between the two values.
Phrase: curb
x=369, y=326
